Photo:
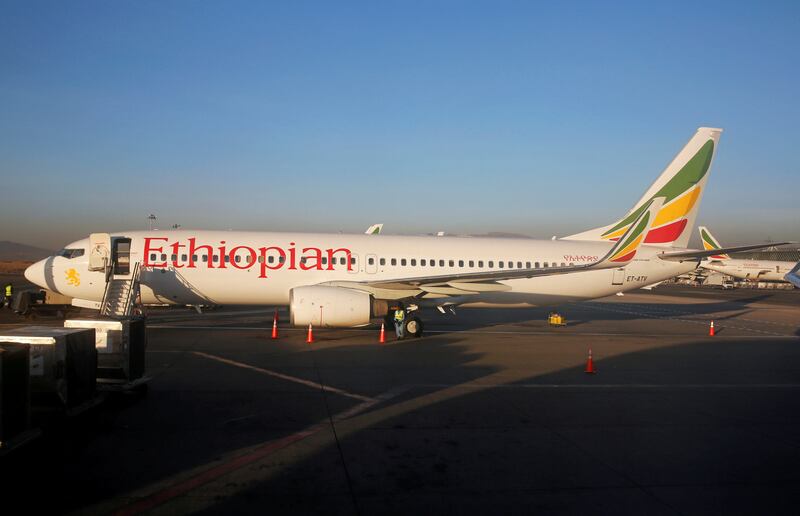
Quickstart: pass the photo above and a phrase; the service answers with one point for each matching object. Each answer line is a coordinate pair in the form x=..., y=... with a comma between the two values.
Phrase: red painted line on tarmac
x=165, y=495
x=208, y=475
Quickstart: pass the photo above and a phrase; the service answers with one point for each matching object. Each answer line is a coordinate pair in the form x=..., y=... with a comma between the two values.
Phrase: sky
x=539, y=118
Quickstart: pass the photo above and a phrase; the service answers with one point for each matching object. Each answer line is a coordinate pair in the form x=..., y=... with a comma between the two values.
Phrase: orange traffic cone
x=711, y=329
x=382, y=338
x=590, y=364
x=310, y=338
x=275, y=326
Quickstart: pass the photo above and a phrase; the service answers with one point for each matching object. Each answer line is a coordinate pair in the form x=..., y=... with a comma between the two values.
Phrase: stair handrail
x=134, y=287
x=194, y=290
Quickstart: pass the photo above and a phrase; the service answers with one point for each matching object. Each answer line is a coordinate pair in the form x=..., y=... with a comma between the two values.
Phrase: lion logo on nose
x=73, y=278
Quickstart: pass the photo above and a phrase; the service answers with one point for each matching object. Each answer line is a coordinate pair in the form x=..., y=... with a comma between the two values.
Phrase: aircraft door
x=121, y=256
x=99, y=251
x=619, y=277
x=372, y=264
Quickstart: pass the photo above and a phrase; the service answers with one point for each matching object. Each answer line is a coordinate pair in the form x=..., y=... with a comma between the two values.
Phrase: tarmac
x=489, y=412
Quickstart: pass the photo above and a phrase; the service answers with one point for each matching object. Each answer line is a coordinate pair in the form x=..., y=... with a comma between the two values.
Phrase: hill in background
x=12, y=252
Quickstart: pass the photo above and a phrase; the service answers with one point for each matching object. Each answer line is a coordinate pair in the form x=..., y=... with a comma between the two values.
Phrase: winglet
x=374, y=229
x=625, y=248
x=711, y=243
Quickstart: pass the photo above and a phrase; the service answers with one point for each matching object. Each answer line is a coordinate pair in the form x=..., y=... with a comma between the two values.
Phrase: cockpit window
x=69, y=254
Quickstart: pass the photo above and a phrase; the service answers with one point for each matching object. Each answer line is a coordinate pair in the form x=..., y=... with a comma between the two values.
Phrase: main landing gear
x=412, y=326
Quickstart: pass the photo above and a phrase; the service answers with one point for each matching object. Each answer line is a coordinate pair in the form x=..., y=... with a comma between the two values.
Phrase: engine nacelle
x=329, y=307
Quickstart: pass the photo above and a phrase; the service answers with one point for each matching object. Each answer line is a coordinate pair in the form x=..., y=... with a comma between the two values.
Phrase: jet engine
x=333, y=307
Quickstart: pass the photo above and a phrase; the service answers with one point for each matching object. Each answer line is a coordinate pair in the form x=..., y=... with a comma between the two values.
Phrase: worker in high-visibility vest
x=399, y=321
x=8, y=292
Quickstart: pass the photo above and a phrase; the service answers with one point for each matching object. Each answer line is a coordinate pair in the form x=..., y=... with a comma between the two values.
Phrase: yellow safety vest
x=399, y=315
x=8, y=290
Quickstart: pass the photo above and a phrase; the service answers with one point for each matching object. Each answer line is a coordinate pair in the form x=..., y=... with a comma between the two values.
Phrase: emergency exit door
x=619, y=277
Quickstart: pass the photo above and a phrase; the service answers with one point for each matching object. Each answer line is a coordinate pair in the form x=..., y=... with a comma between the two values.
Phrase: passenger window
x=352, y=260
x=394, y=261
x=422, y=262
x=270, y=259
x=480, y=264
x=237, y=258
x=152, y=257
x=432, y=263
x=215, y=259
x=519, y=265
x=500, y=264
x=460, y=263
x=563, y=264
x=441, y=263
x=545, y=264
x=371, y=261
x=537, y=265
x=413, y=262
x=205, y=258
x=261, y=259
x=403, y=262
x=227, y=258
x=491, y=264
x=383, y=261
x=527, y=265
x=184, y=258
x=452, y=263
x=282, y=259
x=471, y=263
x=324, y=260
x=194, y=257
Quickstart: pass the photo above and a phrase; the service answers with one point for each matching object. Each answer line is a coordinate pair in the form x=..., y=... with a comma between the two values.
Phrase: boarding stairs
x=120, y=295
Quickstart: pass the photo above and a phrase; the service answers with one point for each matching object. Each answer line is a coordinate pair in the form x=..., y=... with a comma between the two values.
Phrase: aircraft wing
x=793, y=276
x=620, y=254
x=682, y=256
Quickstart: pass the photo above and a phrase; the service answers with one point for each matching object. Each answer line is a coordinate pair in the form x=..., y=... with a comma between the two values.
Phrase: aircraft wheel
x=414, y=327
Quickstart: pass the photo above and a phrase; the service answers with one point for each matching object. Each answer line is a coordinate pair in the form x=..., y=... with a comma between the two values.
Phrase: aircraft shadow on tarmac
x=500, y=448
x=79, y=461
x=695, y=428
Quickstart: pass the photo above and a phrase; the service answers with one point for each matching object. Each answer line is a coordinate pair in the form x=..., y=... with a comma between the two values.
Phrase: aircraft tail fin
x=710, y=243
x=681, y=185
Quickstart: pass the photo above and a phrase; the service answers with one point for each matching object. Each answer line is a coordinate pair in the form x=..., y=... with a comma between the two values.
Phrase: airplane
x=341, y=280
x=746, y=269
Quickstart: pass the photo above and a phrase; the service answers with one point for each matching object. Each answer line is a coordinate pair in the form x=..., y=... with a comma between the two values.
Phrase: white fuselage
x=169, y=277
x=758, y=270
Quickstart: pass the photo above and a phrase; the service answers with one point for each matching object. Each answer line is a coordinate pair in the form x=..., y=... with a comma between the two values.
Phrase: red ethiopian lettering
x=157, y=250
x=266, y=266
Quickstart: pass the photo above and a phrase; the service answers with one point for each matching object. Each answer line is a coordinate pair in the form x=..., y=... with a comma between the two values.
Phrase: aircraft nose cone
x=35, y=273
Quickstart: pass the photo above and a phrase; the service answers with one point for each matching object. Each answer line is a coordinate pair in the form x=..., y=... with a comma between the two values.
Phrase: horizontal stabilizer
x=683, y=256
